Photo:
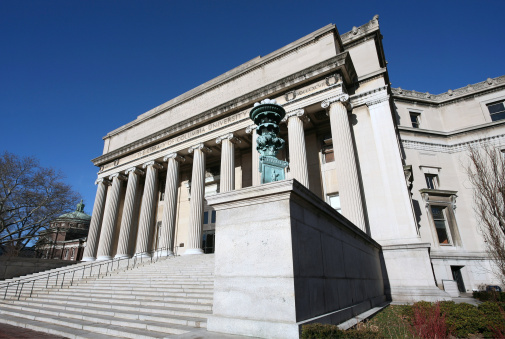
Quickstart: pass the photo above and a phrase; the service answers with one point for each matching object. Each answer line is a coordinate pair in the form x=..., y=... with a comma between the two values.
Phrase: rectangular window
x=497, y=110
x=440, y=224
x=213, y=217
x=431, y=181
x=205, y=217
x=334, y=201
x=414, y=119
x=328, y=154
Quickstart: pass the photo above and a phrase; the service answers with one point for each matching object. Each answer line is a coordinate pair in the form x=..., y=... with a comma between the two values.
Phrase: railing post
x=63, y=280
x=33, y=283
x=22, y=285
x=72, y=282
x=6, y=289
x=57, y=276
x=47, y=283
x=17, y=287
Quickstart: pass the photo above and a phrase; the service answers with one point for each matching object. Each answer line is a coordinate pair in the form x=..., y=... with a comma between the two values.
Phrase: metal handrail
x=137, y=260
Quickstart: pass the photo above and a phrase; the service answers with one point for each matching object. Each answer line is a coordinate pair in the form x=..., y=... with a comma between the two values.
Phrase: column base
x=88, y=259
x=104, y=257
x=142, y=255
x=191, y=251
x=122, y=256
x=165, y=253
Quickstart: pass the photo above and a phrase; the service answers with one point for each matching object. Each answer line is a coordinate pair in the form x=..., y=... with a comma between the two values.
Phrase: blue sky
x=71, y=71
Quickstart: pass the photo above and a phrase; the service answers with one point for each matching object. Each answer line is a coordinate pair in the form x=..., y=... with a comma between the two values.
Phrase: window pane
x=498, y=116
x=213, y=217
x=431, y=181
x=205, y=217
x=414, y=119
x=494, y=108
x=335, y=202
x=437, y=212
x=442, y=235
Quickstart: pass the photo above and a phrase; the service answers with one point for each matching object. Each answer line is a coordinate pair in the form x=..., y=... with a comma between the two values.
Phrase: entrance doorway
x=458, y=277
x=208, y=241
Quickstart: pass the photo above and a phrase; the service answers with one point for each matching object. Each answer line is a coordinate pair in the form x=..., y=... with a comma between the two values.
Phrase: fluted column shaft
x=297, y=152
x=96, y=220
x=147, y=210
x=109, y=219
x=196, y=203
x=170, y=204
x=127, y=222
x=256, y=174
x=227, y=174
x=346, y=165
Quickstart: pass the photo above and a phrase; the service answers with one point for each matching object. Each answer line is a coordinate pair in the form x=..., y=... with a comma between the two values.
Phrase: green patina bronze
x=267, y=115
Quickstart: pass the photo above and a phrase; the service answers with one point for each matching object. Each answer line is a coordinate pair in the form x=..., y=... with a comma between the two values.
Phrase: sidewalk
x=14, y=332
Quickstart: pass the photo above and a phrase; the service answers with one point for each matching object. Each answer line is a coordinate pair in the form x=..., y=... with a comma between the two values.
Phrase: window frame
x=446, y=200
x=496, y=113
x=417, y=116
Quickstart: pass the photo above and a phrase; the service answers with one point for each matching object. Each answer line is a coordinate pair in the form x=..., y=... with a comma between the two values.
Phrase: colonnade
x=102, y=235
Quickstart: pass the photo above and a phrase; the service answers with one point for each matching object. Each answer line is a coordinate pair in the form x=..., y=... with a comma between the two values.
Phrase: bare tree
x=487, y=175
x=30, y=197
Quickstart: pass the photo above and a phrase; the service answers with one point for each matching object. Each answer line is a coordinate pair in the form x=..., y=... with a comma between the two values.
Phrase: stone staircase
x=159, y=300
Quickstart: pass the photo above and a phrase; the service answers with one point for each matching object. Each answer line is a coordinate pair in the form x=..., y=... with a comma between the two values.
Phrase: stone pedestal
x=285, y=258
x=409, y=273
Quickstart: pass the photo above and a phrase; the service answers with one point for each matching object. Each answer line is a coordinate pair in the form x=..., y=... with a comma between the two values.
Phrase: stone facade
x=352, y=140
x=65, y=238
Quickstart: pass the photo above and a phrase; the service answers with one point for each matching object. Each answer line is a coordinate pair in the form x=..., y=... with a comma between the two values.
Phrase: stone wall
x=284, y=258
x=11, y=267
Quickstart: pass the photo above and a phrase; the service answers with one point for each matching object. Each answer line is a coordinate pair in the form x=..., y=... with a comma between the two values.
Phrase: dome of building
x=78, y=214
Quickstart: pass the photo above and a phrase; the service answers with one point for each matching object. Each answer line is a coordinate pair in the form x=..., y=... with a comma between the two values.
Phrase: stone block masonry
x=285, y=258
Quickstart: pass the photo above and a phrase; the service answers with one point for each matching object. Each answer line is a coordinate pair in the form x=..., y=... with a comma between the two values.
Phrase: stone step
x=108, y=316
x=80, y=329
x=122, y=304
x=163, y=301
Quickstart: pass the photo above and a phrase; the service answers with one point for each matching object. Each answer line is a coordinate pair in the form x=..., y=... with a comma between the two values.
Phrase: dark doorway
x=208, y=242
x=456, y=275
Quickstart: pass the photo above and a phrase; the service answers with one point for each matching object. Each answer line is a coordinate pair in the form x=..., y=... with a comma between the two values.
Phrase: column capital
x=175, y=156
x=378, y=100
x=105, y=181
x=249, y=129
x=152, y=163
x=118, y=175
x=342, y=98
x=233, y=139
x=300, y=113
x=200, y=147
x=134, y=170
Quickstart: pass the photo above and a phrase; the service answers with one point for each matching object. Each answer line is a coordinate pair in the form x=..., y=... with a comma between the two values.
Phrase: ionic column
x=196, y=203
x=297, y=152
x=170, y=204
x=227, y=174
x=127, y=221
x=147, y=209
x=256, y=174
x=110, y=218
x=96, y=220
x=351, y=200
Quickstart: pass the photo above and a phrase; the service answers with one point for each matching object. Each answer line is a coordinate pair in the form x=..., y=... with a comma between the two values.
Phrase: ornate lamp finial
x=267, y=115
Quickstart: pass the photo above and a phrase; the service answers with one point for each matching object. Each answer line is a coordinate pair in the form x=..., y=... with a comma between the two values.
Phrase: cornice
x=496, y=140
x=341, y=63
x=358, y=33
x=450, y=95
